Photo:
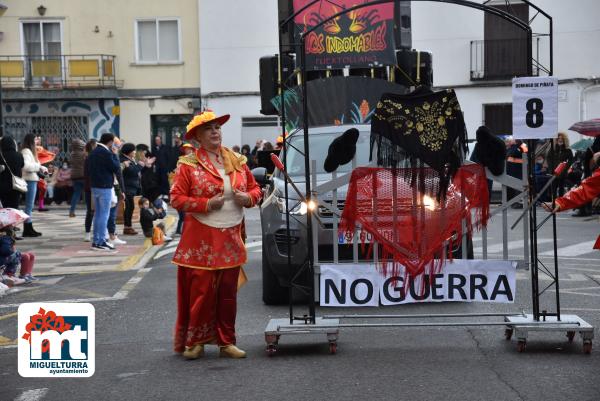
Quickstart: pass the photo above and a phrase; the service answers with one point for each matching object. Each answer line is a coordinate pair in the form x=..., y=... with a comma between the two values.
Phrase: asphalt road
x=134, y=358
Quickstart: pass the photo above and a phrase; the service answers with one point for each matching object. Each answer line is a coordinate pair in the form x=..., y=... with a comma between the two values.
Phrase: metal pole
x=286, y=188
x=309, y=195
x=1, y=109
x=535, y=296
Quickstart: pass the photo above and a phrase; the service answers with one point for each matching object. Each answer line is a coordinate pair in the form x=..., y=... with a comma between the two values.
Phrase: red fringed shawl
x=413, y=228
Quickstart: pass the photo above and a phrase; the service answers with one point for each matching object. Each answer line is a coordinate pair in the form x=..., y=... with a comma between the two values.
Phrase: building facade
x=476, y=55
x=70, y=70
x=472, y=53
x=233, y=36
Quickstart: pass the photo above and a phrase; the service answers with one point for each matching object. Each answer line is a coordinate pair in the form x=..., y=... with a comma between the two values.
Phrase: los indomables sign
x=360, y=38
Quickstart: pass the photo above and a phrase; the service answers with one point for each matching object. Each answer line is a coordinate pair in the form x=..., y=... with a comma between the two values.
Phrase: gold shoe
x=194, y=352
x=231, y=351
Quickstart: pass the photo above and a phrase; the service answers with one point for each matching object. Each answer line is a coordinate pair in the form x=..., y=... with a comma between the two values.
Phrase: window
x=505, y=44
x=498, y=118
x=42, y=46
x=158, y=41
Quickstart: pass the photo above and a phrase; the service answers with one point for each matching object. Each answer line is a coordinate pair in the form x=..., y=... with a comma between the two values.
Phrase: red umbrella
x=588, y=127
x=44, y=156
x=10, y=217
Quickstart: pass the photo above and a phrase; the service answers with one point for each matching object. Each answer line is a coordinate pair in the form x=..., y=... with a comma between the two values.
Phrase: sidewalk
x=61, y=249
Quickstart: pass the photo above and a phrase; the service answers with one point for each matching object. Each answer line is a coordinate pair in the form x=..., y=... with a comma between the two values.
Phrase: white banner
x=459, y=281
x=350, y=285
x=535, y=107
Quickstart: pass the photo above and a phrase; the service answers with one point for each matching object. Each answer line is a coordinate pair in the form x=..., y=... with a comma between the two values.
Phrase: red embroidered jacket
x=196, y=181
x=584, y=193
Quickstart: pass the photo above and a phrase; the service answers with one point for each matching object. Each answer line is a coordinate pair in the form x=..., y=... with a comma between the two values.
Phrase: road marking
x=121, y=294
x=572, y=250
x=254, y=245
x=169, y=249
x=162, y=253
x=582, y=309
x=510, y=245
x=131, y=374
x=8, y=315
x=32, y=395
x=172, y=244
x=525, y=275
x=5, y=341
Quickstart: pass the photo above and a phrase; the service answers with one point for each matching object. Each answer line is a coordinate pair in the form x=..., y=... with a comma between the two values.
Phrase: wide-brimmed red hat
x=207, y=116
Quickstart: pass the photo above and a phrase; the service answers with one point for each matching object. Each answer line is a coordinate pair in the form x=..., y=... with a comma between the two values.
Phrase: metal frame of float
x=519, y=323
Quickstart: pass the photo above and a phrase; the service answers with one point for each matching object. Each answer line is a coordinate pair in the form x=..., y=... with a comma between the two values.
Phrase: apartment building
x=72, y=68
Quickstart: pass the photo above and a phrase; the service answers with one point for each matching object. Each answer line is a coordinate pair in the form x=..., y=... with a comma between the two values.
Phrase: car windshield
x=319, y=146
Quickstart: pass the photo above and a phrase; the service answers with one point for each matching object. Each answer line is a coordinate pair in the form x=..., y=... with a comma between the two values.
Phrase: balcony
x=90, y=71
x=502, y=59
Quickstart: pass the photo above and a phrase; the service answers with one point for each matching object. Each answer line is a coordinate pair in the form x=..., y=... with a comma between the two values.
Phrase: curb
x=141, y=259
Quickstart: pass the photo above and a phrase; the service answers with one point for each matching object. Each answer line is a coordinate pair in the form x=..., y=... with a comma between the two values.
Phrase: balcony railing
x=59, y=72
x=502, y=59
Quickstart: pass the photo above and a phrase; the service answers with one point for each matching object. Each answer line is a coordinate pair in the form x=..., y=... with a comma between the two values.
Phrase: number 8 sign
x=535, y=107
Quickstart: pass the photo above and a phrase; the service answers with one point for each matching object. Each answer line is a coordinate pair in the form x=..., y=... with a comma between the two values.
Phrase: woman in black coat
x=13, y=161
x=132, y=172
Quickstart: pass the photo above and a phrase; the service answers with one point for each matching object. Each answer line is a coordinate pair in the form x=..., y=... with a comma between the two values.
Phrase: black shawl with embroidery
x=420, y=127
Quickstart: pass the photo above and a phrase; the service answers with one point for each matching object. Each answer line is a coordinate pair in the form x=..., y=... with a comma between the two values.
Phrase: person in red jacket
x=212, y=186
x=584, y=193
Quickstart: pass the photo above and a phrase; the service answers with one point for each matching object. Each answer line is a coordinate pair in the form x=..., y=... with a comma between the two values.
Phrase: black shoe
x=43, y=209
x=96, y=247
x=581, y=213
x=517, y=206
x=28, y=230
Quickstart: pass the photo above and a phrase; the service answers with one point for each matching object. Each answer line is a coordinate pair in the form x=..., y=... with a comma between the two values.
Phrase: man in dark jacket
x=175, y=152
x=161, y=152
x=77, y=158
x=104, y=166
x=13, y=163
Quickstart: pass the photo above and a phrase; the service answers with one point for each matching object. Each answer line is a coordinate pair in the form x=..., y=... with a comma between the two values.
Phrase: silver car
x=275, y=245
x=273, y=210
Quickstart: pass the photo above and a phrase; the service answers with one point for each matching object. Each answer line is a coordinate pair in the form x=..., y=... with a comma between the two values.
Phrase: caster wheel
x=587, y=347
x=570, y=336
x=521, y=345
x=508, y=333
x=271, y=349
x=332, y=348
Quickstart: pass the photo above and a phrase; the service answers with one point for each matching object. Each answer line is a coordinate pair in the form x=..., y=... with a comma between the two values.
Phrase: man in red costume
x=212, y=186
x=584, y=193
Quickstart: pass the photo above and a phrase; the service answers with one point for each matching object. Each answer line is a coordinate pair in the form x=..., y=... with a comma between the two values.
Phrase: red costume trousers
x=206, y=307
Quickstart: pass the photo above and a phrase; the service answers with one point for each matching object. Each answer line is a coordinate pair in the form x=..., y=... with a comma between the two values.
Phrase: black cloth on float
x=489, y=151
x=420, y=127
x=341, y=150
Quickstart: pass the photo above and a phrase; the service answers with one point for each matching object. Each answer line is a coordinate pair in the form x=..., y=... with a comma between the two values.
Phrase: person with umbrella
x=589, y=128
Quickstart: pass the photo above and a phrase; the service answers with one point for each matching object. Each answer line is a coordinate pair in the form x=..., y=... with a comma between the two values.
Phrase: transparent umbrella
x=582, y=144
x=10, y=217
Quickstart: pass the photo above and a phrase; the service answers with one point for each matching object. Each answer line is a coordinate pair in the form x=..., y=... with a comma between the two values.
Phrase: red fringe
x=422, y=224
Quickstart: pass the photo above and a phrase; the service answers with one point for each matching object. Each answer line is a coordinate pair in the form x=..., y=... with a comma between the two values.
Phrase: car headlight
x=297, y=208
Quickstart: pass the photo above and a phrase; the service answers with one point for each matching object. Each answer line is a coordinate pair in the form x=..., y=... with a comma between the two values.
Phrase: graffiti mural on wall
x=58, y=123
x=103, y=114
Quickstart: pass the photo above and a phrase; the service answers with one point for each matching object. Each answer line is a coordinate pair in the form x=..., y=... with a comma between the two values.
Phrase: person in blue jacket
x=104, y=166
